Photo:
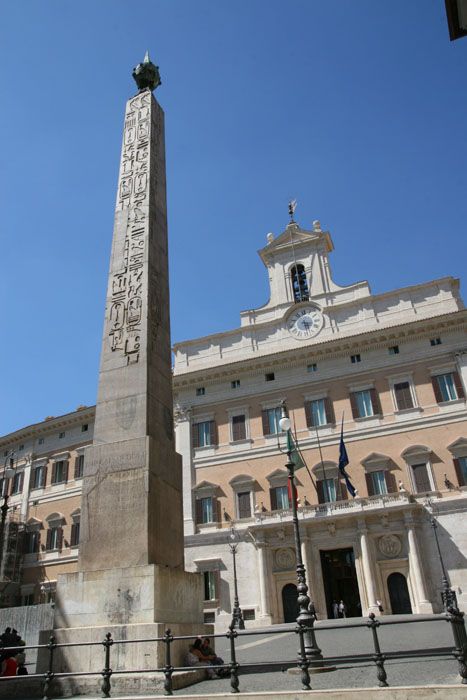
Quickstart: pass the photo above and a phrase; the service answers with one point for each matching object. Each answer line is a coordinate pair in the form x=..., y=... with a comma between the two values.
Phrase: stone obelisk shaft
x=131, y=506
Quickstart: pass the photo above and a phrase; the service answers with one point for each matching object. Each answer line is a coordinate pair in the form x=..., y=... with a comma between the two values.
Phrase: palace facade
x=392, y=367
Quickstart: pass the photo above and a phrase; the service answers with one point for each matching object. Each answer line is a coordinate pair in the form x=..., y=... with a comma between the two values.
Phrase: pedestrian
x=342, y=609
x=21, y=661
x=335, y=609
x=380, y=606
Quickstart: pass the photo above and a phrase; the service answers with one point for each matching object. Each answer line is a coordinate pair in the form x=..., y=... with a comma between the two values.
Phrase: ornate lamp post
x=9, y=470
x=306, y=609
x=448, y=595
x=237, y=617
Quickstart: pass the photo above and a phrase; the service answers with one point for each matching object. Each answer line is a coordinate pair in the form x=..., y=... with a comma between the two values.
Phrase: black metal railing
x=304, y=662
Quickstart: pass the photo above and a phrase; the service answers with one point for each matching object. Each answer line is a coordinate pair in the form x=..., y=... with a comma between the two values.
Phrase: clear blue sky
x=357, y=108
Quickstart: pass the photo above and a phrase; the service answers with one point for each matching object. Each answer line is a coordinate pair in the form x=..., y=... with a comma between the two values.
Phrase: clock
x=305, y=323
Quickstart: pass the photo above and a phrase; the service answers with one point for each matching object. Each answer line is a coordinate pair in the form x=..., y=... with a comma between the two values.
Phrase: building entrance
x=399, y=594
x=289, y=602
x=340, y=581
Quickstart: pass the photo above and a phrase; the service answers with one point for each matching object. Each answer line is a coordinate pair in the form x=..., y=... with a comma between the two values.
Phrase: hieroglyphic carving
x=126, y=285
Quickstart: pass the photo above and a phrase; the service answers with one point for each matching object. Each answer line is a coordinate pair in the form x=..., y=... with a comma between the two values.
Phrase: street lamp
x=237, y=617
x=9, y=470
x=448, y=595
x=306, y=609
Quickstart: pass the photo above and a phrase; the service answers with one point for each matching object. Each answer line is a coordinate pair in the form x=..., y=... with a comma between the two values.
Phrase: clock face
x=305, y=323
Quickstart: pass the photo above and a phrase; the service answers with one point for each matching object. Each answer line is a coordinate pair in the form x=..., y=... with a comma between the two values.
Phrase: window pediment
x=33, y=524
x=277, y=477
x=242, y=481
x=55, y=519
x=459, y=447
x=375, y=461
x=205, y=488
x=416, y=452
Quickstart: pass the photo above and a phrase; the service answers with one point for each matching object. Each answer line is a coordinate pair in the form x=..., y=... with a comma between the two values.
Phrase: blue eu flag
x=343, y=462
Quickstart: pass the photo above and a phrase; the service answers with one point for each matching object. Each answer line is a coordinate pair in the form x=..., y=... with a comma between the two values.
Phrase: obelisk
x=131, y=579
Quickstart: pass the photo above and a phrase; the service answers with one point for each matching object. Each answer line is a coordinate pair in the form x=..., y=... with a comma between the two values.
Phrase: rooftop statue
x=146, y=74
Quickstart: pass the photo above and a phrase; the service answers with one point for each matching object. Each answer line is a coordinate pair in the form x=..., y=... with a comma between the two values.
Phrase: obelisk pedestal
x=131, y=580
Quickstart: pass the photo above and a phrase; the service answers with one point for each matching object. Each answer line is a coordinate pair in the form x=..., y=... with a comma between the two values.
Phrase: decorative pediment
x=205, y=487
x=330, y=468
x=278, y=476
x=242, y=479
x=33, y=524
x=459, y=447
x=296, y=236
x=416, y=450
x=376, y=460
x=55, y=518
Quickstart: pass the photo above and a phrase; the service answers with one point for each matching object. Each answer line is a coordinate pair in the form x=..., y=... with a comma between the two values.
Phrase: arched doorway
x=399, y=594
x=289, y=602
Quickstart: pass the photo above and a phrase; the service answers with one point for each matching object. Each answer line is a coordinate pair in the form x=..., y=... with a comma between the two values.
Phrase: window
x=206, y=510
x=271, y=418
x=319, y=412
x=435, y=341
x=27, y=599
x=235, y=384
x=200, y=391
x=249, y=614
x=355, y=358
x=269, y=377
x=312, y=368
x=39, y=475
x=54, y=538
x=299, y=284
x=204, y=434
x=41, y=441
x=17, y=485
x=393, y=350
x=244, y=504
x=74, y=539
x=210, y=585
x=376, y=483
x=460, y=464
x=61, y=435
x=32, y=542
x=326, y=490
x=403, y=396
x=421, y=478
x=365, y=403
x=79, y=467
x=209, y=618
x=279, y=498
x=20, y=448
x=447, y=387
x=84, y=428
x=60, y=472
x=238, y=428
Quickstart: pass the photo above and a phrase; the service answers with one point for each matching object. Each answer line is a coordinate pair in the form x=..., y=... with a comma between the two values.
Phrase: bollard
x=107, y=671
x=48, y=677
x=378, y=657
x=456, y=618
x=303, y=662
x=234, y=682
x=168, y=669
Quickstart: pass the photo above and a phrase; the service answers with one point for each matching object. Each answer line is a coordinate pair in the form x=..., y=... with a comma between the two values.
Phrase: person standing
x=335, y=609
x=342, y=609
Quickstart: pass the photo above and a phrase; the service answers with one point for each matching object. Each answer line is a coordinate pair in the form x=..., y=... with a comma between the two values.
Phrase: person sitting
x=9, y=665
x=21, y=661
x=215, y=660
x=195, y=657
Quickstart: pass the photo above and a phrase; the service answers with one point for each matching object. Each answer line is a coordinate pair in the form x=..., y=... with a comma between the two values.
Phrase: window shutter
x=375, y=403
x=238, y=428
x=436, y=389
x=265, y=417
x=330, y=417
x=65, y=471
x=54, y=471
x=458, y=385
x=308, y=414
x=37, y=548
x=320, y=489
x=272, y=493
x=77, y=470
x=460, y=476
x=49, y=539
x=353, y=406
x=216, y=510
x=195, y=435
x=74, y=534
x=342, y=489
x=369, y=485
x=60, y=538
x=44, y=477
x=198, y=512
x=20, y=482
x=421, y=478
x=391, y=483
x=244, y=505
x=213, y=432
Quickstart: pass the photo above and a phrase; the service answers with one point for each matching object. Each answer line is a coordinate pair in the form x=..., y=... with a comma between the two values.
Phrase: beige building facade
x=392, y=367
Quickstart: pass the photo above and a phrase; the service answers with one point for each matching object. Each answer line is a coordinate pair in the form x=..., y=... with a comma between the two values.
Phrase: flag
x=294, y=452
x=343, y=462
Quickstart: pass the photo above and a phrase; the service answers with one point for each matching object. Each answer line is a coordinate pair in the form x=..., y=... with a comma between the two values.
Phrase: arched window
x=299, y=284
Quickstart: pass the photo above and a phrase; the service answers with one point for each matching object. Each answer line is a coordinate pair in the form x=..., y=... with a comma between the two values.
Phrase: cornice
x=330, y=348
x=50, y=425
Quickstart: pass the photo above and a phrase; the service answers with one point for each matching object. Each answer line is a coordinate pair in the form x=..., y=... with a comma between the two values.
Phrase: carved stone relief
x=284, y=559
x=390, y=545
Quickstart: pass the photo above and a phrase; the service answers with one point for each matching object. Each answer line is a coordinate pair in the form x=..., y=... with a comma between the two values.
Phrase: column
x=263, y=578
x=416, y=574
x=182, y=418
x=367, y=568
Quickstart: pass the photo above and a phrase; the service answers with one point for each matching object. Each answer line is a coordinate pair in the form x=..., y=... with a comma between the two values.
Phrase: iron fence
x=304, y=662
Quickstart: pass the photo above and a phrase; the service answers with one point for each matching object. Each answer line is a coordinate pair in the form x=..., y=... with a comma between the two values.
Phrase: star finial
x=146, y=74
x=292, y=207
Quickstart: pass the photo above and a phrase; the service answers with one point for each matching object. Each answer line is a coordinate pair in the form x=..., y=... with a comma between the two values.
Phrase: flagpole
x=325, y=490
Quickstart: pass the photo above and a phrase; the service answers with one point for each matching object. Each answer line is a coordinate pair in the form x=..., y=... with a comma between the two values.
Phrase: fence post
x=168, y=669
x=107, y=671
x=378, y=657
x=303, y=661
x=232, y=635
x=48, y=677
x=456, y=618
